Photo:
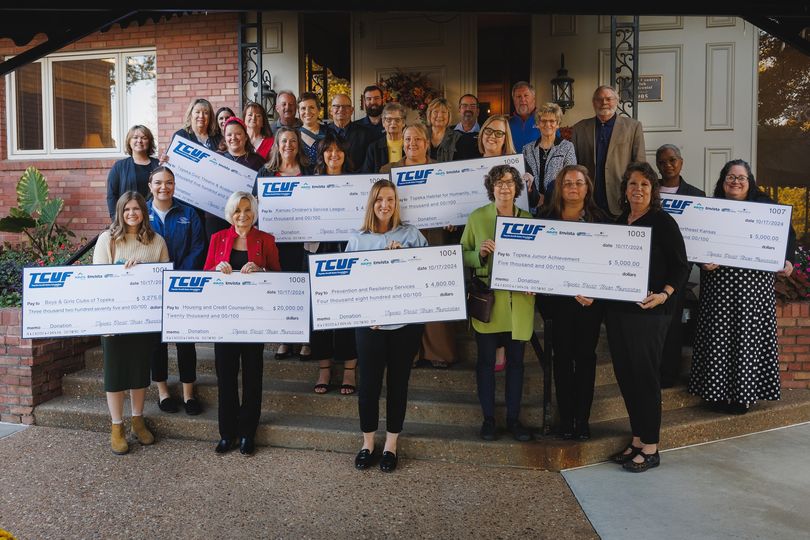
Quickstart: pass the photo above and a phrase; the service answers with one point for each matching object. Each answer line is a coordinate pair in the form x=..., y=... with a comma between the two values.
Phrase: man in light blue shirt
x=522, y=126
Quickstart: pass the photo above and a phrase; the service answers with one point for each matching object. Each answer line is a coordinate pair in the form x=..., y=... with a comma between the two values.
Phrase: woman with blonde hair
x=130, y=240
x=389, y=348
x=446, y=144
x=200, y=125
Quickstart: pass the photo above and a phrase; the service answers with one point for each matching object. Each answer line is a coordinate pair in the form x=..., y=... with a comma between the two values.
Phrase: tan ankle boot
x=140, y=431
x=118, y=441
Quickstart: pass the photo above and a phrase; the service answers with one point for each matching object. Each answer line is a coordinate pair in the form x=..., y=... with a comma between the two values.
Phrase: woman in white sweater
x=129, y=241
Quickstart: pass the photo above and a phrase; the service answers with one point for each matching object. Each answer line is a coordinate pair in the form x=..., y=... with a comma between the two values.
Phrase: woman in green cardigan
x=512, y=321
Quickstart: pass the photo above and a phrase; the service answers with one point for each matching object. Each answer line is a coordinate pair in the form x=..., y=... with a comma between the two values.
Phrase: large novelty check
x=440, y=194
x=732, y=233
x=314, y=208
x=235, y=308
x=390, y=286
x=60, y=301
x=570, y=258
x=204, y=178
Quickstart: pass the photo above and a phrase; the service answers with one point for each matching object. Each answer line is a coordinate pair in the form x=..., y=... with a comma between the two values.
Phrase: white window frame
x=46, y=72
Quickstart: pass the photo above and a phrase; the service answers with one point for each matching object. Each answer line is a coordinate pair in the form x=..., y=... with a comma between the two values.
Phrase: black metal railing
x=82, y=251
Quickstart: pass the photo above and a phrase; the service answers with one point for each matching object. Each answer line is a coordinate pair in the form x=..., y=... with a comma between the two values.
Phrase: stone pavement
x=59, y=483
x=754, y=486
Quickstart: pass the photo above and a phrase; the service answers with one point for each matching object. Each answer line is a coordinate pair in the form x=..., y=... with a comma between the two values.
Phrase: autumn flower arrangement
x=413, y=90
x=797, y=286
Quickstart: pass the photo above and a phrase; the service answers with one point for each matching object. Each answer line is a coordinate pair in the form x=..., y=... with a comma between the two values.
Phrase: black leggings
x=376, y=351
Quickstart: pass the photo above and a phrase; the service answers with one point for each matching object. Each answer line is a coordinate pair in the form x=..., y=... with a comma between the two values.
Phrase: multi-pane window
x=81, y=104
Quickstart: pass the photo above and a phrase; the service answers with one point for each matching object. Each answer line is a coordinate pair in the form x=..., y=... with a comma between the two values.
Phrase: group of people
x=599, y=176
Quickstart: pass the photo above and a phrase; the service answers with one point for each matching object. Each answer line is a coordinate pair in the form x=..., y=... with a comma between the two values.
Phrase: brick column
x=31, y=370
x=793, y=330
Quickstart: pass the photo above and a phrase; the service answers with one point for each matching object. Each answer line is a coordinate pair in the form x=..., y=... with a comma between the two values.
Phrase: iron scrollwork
x=624, y=64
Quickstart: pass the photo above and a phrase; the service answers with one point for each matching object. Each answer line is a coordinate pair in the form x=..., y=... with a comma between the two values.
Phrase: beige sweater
x=130, y=248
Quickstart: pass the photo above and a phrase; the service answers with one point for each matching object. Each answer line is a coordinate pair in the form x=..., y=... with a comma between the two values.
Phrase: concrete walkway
x=59, y=483
x=756, y=486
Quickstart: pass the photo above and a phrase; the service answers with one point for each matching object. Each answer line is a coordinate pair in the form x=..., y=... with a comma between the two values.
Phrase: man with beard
x=606, y=144
x=286, y=107
x=522, y=126
x=355, y=135
x=373, y=105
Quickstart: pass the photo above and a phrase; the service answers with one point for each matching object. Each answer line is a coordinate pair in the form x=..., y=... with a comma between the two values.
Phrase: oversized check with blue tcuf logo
x=235, y=308
x=439, y=194
x=204, y=178
x=568, y=258
x=62, y=301
x=314, y=208
x=389, y=286
x=742, y=234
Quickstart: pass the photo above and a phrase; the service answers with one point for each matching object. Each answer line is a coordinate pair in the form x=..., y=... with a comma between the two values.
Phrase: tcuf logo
x=182, y=149
x=410, y=178
x=187, y=283
x=44, y=280
x=674, y=206
x=279, y=189
x=334, y=267
x=521, y=231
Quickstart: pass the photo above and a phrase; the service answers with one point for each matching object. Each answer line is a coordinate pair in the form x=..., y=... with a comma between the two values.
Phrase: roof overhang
x=788, y=20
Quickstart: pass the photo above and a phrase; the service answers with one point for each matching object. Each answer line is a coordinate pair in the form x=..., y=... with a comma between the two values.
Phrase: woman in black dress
x=735, y=361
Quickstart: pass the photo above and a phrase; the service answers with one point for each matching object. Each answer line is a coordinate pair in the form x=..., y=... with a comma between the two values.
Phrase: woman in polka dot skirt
x=735, y=360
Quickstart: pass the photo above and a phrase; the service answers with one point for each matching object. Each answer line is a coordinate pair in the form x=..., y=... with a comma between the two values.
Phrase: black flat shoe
x=283, y=355
x=226, y=445
x=582, y=432
x=193, y=407
x=565, y=432
x=364, y=459
x=650, y=461
x=520, y=433
x=247, y=446
x=168, y=405
x=488, y=430
x=388, y=462
x=737, y=408
x=621, y=458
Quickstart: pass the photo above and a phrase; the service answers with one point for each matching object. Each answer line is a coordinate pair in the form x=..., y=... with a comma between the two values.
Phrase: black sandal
x=322, y=386
x=350, y=387
x=621, y=458
x=650, y=461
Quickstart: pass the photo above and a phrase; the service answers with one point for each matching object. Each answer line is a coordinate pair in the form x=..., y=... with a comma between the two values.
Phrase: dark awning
x=788, y=20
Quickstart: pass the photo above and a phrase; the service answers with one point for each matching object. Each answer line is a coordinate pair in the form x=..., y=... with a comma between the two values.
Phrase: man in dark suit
x=606, y=144
x=389, y=148
x=355, y=134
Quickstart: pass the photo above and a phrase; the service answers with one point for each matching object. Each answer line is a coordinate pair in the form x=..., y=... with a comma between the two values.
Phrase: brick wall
x=31, y=370
x=793, y=329
x=197, y=56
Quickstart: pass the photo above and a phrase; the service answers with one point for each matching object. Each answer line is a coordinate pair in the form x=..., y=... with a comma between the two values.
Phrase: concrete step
x=459, y=378
x=680, y=427
x=424, y=405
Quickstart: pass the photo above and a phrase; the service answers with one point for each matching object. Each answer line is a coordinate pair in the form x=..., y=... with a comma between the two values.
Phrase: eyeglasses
x=670, y=161
x=497, y=133
x=573, y=183
x=466, y=106
x=741, y=179
x=505, y=184
x=344, y=107
x=552, y=121
x=390, y=119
